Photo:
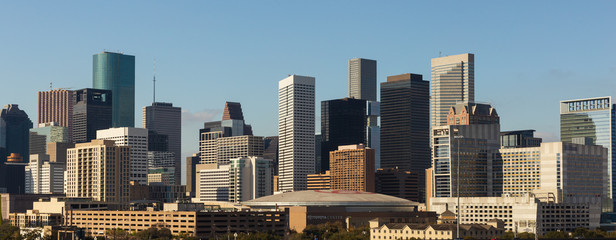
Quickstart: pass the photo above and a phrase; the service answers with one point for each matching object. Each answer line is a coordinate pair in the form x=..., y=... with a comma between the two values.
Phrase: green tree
x=8, y=232
x=154, y=233
x=117, y=234
x=555, y=235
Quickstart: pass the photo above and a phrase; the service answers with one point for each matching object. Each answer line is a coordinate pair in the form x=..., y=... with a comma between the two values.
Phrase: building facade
x=137, y=140
x=362, y=79
x=352, y=168
x=212, y=183
x=343, y=122
x=519, y=139
x=165, y=119
x=56, y=106
x=92, y=111
x=46, y=133
x=250, y=178
x=295, y=131
x=453, y=81
x=116, y=72
x=398, y=183
x=44, y=176
x=15, y=131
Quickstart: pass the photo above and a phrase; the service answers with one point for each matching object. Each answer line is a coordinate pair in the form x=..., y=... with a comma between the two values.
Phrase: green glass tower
x=116, y=72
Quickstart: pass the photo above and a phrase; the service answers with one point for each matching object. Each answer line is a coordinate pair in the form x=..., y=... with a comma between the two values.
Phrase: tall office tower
x=405, y=124
x=43, y=176
x=593, y=118
x=373, y=130
x=91, y=112
x=116, y=72
x=47, y=133
x=233, y=111
x=56, y=106
x=318, y=154
x=158, y=159
x=219, y=150
x=453, y=81
x=362, y=79
x=15, y=131
x=271, y=151
x=295, y=132
x=212, y=183
x=343, y=122
x=137, y=140
x=352, y=168
x=13, y=174
x=165, y=119
x=469, y=148
x=250, y=178
x=519, y=139
x=398, y=183
x=99, y=170
x=191, y=174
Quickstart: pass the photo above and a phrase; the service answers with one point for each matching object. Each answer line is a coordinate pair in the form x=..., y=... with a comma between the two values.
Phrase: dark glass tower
x=92, y=111
x=116, y=72
x=15, y=131
x=405, y=124
x=343, y=122
x=165, y=119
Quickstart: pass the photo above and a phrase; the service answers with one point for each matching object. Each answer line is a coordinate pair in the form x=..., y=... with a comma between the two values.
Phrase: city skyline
x=525, y=56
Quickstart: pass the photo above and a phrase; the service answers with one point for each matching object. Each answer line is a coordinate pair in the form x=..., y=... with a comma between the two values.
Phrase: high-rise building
x=47, y=133
x=405, y=128
x=137, y=140
x=161, y=175
x=295, y=132
x=116, y=72
x=250, y=178
x=165, y=119
x=319, y=181
x=99, y=170
x=219, y=150
x=191, y=174
x=453, y=81
x=13, y=174
x=270, y=144
x=56, y=106
x=373, y=130
x=343, y=122
x=519, y=139
x=43, y=176
x=91, y=112
x=398, y=183
x=212, y=183
x=362, y=79
x=57, y=151
x=472, y=113
x=593, y=118
x=352, y=168
x=15, y=131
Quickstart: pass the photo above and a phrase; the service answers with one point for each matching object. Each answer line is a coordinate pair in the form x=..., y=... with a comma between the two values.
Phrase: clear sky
x=529, y=55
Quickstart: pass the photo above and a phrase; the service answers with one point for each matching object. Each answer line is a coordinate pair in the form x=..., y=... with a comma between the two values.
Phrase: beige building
x=33, y=218
x=214, y=148
x=453, y=80
x=44, y=176
x=99, y=170
x=352, y=168
x=137, y=140
x=492, y=229
x=319, y=181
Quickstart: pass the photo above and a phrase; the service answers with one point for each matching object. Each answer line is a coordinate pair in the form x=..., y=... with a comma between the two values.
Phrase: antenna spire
x=154, y=83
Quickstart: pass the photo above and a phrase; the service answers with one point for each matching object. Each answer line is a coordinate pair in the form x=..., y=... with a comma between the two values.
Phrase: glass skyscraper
x=116, y=72
x=594, y=119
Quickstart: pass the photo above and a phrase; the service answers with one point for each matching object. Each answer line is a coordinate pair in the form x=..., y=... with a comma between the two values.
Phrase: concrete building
x=18, y=203
x=116, y=72
x=593, y=118
x=343, y=122
x=519, y=139
x=137, y=140
x=295, y=131
x=352, y=208
x=165, y=119
x=492, y=229
x=43, y=176
x=46, y=133
x=56, y=106
x=362, y=79
x=99, y=170
x=214, y=148
x=250, y=178
x=453, y=80
x=319, y=181
x=352, y=168
x=34, y=219
x=92, y=111
x=212, y=183
x=161, y=175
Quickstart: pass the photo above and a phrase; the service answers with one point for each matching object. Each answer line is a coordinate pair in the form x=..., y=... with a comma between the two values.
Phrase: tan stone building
x=99, y=170
x=490, y=230
x=319, y=181
x=352, y=168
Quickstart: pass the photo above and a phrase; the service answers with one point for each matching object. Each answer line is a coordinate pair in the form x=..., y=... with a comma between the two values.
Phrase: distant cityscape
x=426, y=160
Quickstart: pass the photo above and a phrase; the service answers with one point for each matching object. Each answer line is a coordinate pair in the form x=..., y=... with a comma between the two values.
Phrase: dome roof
x=329, y=198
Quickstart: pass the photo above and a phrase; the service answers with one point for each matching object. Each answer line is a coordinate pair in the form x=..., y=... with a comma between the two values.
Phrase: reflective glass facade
x=116, y=72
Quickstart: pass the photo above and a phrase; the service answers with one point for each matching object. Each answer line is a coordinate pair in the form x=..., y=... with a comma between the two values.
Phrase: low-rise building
x=445, y=231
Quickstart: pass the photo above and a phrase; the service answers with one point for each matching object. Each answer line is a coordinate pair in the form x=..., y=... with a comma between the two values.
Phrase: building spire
x=154, y=83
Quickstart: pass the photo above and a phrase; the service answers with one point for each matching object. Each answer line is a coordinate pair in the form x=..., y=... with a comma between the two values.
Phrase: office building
x=56, y=106
x=352, y=168
x=215, y=149
x=491, y=230
x=405, y=126
x=161, y=175
x=158, y=159
x=116, y=72
x=373, y=130
x=319, y=181
x=271, y=151
x=250, y=178
x=165, y=119
x=44, y=176
x=453, y=81
x=519, y=139
x=137, y=140
x=191, y=174
x=212, y=183
x=343, y=122
x=233, y=111
x=15, y=131
x=57, y=151
x=318, y=153
x=362, y=79
x=99, y=170
x=295, y=131
x=46, y=133
x=593, y=118
x=13, y=175
x=91, y=112
x=472, y=113
x=398, y=183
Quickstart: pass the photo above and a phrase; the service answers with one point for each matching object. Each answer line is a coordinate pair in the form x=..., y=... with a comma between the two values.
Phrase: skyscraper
x=295, y=132
x=116, y=72
x=56, y=106
x=453, y=81
x=352, y=168
x=46, y=133
x=165, y=119
x=343, y=122
x=91, y=112
x=15, y=131
x=593, y=118
x=362, y=79
x=137, y=140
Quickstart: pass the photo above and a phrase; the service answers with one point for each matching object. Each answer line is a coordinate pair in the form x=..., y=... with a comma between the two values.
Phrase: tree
x=154, y=233
x=33, y=234
x=117, y=234
x=555, y=235
x=8, y=232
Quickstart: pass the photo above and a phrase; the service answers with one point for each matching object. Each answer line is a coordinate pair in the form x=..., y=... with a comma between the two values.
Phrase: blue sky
x=529, y=55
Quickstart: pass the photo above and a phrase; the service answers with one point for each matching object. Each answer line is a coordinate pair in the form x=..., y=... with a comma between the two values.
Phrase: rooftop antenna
x=154, y=82
x=439, y=54
x=51, y=85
